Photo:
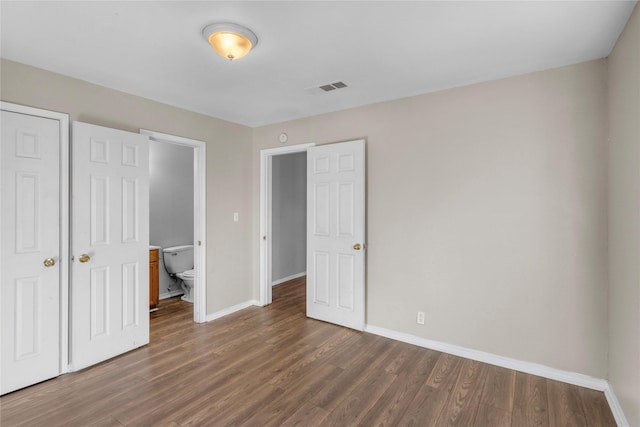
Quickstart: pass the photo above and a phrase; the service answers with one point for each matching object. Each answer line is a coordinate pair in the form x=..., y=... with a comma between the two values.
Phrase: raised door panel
x=345, y=214
x=100, y=302
x=321, y=278
x=28, y=219
x=100, y=205
x=28, y=325
x=130, y=294
x=345, y=282
x=130, y=214
x=322, y=205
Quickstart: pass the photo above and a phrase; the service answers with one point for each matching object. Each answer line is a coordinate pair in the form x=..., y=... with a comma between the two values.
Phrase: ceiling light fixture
x=231, y=41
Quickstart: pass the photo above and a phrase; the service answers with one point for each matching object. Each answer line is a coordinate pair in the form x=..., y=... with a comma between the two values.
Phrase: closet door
x=110, y=243
x=30, y=250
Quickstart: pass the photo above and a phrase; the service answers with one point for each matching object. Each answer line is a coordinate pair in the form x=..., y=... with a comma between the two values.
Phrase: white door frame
x=266, y=157
x=199, y=217
x=64, y=220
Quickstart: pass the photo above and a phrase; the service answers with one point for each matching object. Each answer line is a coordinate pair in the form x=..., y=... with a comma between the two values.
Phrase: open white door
x=110, y=243
x=336, y=233
x=31, y=250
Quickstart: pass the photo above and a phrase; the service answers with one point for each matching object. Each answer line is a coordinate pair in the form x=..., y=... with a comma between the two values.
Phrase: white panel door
x=110, y=243
x=336, y=233
x=30, y=258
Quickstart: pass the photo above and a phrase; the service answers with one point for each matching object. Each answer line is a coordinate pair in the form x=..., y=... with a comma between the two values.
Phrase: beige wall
x=228, y=161
x=486, y=209
x=624, y=219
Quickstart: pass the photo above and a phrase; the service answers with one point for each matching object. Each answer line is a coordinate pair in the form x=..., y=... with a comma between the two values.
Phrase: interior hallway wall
x=289, y=215
x=170, y=201
x=624, y=219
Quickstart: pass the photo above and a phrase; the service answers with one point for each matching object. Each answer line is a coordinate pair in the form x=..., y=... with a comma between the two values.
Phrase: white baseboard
x=493, y=359
x=614, y=404
x=286, y=279
x=232, y=309
x=171, y=294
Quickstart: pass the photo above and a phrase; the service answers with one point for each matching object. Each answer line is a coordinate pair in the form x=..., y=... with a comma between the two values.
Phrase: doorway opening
x=288, y=218
x=193, y=228
x=273, y=248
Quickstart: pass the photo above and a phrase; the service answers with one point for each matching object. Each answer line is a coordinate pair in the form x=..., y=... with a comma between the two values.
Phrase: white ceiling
x=382, y=50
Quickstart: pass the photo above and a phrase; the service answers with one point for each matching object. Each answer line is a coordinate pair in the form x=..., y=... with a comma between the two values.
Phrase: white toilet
x=178, y=261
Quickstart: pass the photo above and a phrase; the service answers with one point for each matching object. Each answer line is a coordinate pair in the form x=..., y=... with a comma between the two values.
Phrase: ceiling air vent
x=326, y=88
x=333, y=86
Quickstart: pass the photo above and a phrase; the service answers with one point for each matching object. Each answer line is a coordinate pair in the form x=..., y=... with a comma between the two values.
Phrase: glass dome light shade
x=230, y=45
x=231, y=41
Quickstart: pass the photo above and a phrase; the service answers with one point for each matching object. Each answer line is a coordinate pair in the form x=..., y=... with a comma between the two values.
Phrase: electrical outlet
x=235, y=217
x=420, y=318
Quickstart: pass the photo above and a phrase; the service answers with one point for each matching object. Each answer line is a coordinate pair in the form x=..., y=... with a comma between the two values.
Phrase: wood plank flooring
x=274, y=367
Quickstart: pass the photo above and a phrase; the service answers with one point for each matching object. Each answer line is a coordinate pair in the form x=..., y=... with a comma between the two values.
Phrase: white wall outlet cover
x=284, y=137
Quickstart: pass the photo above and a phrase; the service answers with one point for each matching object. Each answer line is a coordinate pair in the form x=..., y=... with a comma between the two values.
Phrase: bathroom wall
x=170, y=202
x=289, y=213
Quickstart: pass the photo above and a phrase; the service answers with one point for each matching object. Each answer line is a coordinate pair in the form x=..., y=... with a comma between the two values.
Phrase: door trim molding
x=64, y=220
x=199, y=216
x=266, y=157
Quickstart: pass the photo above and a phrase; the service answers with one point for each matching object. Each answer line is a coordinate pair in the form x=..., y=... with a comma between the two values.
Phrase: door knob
x=357, y=246
x=49, y=262
x=84, y=258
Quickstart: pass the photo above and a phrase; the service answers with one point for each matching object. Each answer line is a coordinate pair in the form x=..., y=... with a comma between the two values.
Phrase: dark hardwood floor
x=274, y=367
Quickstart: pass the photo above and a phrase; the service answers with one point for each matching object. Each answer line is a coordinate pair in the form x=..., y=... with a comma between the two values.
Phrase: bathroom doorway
x=177, y=210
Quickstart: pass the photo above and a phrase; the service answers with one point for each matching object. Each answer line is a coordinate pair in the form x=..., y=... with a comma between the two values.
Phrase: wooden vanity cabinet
x=154, y=289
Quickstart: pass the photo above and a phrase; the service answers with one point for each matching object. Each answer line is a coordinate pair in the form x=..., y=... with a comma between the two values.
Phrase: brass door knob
x=84, y=258
x=49, y=262
x=357, y=246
